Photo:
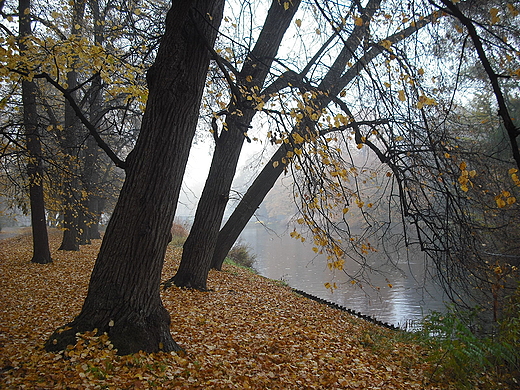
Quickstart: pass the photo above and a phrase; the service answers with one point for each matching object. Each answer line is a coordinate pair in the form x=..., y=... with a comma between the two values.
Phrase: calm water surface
x=283, y=258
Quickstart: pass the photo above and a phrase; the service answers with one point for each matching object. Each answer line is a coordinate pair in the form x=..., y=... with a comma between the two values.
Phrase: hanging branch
x=512, y=131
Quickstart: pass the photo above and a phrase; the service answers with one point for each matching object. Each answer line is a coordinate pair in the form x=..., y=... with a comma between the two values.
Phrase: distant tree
x=31, y=123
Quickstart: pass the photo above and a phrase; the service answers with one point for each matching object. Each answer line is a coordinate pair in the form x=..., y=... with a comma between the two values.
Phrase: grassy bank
x=248, y=332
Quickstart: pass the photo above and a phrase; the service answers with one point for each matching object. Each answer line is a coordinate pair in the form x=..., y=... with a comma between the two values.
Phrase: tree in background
x=31, y=123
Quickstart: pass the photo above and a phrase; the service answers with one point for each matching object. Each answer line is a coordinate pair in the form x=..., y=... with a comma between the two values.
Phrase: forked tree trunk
x=41, y=252
x=200, y=245
x=247, y=206
x=123, y=297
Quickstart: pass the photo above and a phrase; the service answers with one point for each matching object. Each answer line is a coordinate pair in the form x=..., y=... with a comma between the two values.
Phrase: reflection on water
x=283, y=258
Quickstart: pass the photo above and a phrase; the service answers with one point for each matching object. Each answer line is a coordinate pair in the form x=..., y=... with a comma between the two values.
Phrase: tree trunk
x=41, y=252
x=123, y=297
x=247, y=206
x=69, y=190
x=200, y=245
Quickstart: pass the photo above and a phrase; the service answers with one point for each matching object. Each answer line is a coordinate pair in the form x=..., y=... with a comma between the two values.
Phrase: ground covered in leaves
x=249, y=332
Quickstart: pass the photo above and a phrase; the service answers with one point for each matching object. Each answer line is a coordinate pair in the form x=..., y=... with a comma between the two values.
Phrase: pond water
x=412, y=293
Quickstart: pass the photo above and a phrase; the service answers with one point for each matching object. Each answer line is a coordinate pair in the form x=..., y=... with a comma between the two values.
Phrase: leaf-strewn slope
x=249, y=332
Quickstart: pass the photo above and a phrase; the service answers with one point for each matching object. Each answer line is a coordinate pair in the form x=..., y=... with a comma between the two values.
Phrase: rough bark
x=41, y=252
x=123, y=297
x=200, y=245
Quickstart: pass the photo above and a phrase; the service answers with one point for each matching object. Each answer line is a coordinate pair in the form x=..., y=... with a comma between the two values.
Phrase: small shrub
x=241, y=255
x=180, y=232
x=462, y=354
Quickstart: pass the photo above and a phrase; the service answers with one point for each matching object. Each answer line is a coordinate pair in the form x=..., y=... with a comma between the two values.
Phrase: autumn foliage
x=247, y=332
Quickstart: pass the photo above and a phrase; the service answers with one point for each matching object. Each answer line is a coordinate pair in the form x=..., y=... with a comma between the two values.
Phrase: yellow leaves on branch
x=58, y=57
x=494, y=15
x=425, y=101
x=504, y=198
x=465, y=176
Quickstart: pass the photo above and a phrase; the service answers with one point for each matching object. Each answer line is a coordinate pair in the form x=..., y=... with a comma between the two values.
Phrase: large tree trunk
x=200, y=245
x=123, y=297
x=41, y=252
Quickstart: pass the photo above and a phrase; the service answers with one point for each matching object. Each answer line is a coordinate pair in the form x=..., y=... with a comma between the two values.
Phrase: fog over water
x=283, y=258
x=280, y=257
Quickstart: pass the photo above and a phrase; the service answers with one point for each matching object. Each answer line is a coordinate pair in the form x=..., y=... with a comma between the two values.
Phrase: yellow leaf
x=462, y=166
x=386, y=43
x=318, y=31
x=512, y=9
x=511, y=200
x=286, y=5
x=358, y=21
x=494, y=15
x=249, y=78
x=275, y=164
x=298, y=22
x=500, y=202
x=402, y=96
x=512, y=170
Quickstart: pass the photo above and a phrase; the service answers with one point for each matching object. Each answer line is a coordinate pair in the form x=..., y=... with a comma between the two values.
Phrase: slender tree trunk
x=41, y=252
x=70, y=202
x=89, y=225
x=71, y=198
x=123, y=297
x=247, y=206
x=200, y=245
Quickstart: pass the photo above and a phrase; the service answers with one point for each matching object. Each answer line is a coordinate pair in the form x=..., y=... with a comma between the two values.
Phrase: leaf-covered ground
x=249, y=332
